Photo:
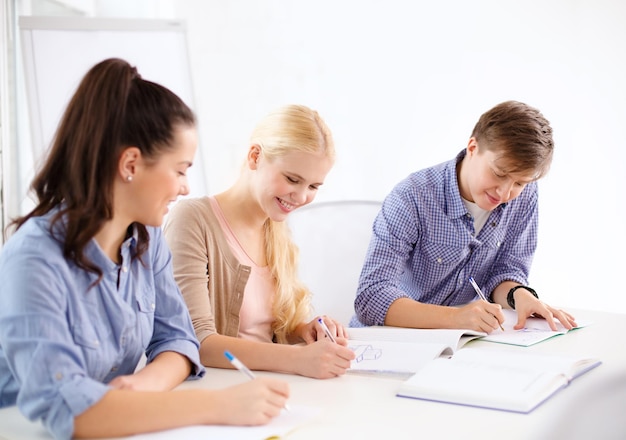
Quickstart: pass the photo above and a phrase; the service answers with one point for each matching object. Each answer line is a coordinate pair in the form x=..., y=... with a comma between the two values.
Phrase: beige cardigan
x=209, y=275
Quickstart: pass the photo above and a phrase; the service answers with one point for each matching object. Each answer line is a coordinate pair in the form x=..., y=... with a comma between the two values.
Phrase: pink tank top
x=255, y=316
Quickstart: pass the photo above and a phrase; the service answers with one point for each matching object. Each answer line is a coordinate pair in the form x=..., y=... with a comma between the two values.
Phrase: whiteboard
x=58, y=52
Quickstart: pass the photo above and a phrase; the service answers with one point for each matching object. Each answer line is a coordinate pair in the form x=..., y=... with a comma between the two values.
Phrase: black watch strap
x=510, y=299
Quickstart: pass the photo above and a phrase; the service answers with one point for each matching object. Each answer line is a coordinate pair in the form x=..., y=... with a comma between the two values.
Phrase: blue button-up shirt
x=62, y=341
x=424, y=246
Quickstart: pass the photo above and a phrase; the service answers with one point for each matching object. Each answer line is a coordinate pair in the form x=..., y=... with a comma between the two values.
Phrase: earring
x=129, y=178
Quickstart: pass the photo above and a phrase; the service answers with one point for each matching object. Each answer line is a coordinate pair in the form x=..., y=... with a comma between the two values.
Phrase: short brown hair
x=520, y=133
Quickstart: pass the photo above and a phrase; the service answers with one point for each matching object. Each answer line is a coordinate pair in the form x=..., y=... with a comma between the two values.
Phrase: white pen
x=482, y=295
x=326, y=330
x=241, y=367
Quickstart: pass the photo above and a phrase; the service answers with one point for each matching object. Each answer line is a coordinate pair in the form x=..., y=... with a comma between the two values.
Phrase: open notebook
x=402, y=351
x=536, y=330
x=397, y=350
x=504, y=380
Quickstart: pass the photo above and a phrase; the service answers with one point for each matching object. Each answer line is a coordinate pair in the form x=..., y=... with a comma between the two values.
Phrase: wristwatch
x=510, y=299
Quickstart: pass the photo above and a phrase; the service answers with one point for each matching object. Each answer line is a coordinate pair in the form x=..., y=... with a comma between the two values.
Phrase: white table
x=365, y=407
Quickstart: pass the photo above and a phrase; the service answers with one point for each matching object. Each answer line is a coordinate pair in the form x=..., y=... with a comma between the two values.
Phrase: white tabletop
x=366, y=407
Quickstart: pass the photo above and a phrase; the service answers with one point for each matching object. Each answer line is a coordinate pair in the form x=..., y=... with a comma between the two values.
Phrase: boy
x=474, y=216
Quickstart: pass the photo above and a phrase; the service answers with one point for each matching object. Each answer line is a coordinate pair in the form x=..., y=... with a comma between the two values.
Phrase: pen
x=482, y=295
x=241, y=367
x=326, y=330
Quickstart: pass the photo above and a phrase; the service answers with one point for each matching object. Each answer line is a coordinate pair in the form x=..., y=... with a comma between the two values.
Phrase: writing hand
x=323, y=359
x=479, y=315
x=254, y=402
x=314, y=331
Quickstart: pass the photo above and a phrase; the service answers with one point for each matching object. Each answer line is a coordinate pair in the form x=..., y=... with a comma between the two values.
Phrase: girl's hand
x=323, y=359
x=255, y=402
x=166, y=371
x=313, y=331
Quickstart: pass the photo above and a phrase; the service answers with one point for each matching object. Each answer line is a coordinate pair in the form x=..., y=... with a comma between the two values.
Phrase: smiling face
x=484, y=179
x=287, y=182
x=157, y=183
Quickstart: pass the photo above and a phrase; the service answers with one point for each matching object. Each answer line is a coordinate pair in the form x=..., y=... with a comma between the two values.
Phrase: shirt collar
x=454, y=203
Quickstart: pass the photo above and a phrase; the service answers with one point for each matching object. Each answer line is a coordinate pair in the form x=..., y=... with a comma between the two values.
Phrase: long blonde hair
x=293, y=128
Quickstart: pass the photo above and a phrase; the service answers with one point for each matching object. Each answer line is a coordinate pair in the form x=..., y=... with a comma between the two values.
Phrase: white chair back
x=333, y=238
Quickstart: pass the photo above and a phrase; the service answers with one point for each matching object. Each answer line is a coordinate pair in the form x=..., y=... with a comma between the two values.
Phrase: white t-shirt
x=480, y=215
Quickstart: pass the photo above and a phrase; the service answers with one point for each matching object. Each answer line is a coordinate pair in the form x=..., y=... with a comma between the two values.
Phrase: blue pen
x=241, y=367
x=481, y=295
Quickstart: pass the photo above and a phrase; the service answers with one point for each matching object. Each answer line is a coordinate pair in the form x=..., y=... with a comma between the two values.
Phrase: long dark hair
x=113, y=108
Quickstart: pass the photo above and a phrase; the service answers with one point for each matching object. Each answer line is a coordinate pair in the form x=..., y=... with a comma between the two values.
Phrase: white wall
x=401, y=84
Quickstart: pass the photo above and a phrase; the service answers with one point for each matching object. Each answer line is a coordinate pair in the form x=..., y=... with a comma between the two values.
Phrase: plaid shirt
x=424, y=247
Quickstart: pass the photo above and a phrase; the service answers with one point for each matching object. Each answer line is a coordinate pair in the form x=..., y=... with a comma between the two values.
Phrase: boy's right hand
x=479, y=315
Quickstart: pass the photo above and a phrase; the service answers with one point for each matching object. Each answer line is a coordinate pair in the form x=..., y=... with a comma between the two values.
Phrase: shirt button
x=114, y=369
x=96, y=343
x=58, y=376
x=439, y=260
x=152, y=306
x=498, y=244
x=124, y=269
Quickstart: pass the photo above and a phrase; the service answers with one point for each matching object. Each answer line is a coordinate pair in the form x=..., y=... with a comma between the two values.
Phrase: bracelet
x=510, y=299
